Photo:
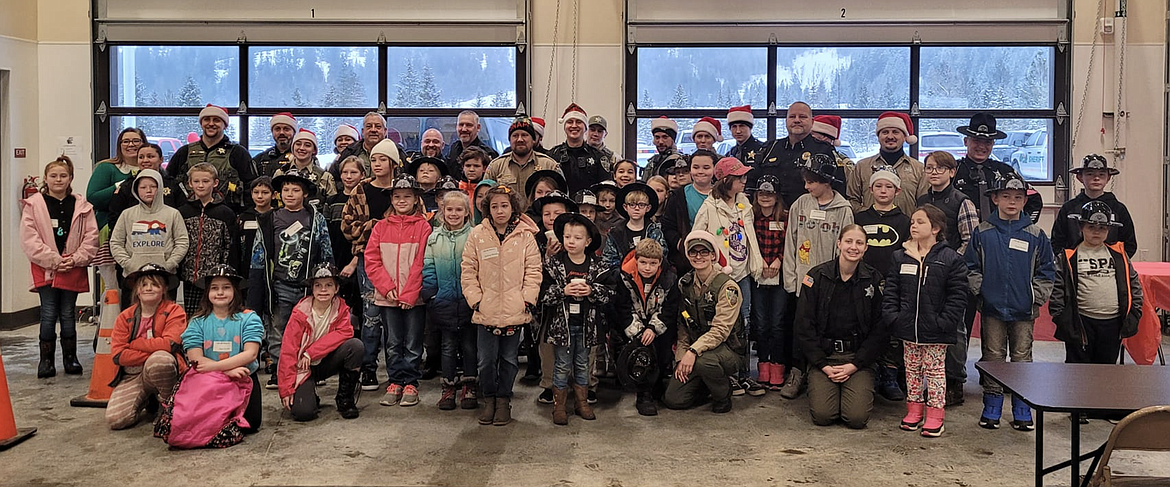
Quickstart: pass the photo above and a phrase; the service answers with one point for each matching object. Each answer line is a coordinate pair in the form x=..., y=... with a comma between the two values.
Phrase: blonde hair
x=648, y=248
x=62, y=161
x=355, y=160
x=635, y=197
x=206, y=167
x=456, y=198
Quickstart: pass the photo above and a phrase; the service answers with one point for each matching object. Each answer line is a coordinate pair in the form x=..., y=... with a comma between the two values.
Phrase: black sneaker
x=271, y=385
x=592, y=397
x=752, y=387
x=546, y=397
x=369, y=380
x=736, y=388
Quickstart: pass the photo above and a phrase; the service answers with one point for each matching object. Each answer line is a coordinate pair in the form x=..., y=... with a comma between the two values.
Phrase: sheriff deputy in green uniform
x=711, y=335
x=233, y=161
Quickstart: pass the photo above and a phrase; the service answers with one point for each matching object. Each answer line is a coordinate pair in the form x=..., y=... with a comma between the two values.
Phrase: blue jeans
x=404, y=343
x=286, y=295
x=745, y=310
x=573, y=359
x=498, y=362
x=370, y=330
x=775, y=340
x=456, y=344
x=58, y=304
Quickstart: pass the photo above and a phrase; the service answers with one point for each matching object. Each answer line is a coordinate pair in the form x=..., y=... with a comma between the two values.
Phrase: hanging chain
x=552, y=56
x=576, y=22
x=1118, y=113
x=1088, y=75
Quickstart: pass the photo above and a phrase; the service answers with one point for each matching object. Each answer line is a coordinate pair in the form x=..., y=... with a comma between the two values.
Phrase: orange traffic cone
x=103, y=368
x=9, y=434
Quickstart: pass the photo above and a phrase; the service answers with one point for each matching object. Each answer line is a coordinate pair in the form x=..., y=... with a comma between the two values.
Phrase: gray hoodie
x=812, y=236
x=149, y=234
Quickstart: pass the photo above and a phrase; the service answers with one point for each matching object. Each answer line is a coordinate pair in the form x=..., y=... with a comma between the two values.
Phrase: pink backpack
x=206, y=410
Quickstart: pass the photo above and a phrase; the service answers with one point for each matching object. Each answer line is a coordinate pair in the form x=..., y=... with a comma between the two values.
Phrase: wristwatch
x=692, y=350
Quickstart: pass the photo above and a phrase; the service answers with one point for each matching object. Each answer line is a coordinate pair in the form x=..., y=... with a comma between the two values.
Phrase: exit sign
x=21, y=153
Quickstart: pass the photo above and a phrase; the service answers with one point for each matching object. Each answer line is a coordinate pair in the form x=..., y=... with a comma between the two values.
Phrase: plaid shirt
x=771, y=241
x=968, y=220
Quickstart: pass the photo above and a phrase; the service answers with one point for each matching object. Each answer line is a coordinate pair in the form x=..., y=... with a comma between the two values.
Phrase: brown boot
x=560, y=416
x=489, y=411
x=503, y=411
x=584, y=410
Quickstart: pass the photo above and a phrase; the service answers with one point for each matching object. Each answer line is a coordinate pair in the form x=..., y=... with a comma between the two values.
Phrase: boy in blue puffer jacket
x=1013, y=257
x=446, y=306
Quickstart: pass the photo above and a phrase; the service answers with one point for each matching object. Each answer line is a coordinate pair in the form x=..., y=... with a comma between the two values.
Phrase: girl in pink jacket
x=58, y=233
x=394, y=263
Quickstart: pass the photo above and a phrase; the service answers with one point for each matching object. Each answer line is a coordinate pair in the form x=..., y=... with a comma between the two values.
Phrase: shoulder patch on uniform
x=732, y=295
x=808, y=280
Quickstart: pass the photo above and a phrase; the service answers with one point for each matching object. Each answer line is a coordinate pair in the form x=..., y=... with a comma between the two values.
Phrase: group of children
x=663, y=283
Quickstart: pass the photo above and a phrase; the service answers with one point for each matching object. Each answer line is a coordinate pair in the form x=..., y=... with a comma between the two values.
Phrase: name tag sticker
x=251, y=225
x=139, y=227
x=56, y=223
x=489, y=253
x=816, y=214
x=221, y=346
x=909, y=269
x=1017, y=244
x=775, y=226
x=293, y=229
x=575, y=308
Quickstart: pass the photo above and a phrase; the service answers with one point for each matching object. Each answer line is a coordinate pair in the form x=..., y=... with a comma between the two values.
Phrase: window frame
x=774, y=112
x=103, y=84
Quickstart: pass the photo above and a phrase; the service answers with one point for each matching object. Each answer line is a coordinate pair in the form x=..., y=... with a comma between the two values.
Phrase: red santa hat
x=283, y=118
x=574, y=111
x=538, y=124
x=741, y=115
x=829, y=125
x=346, y=129
x=214, y=111
x=900, y=121
x=664, y=124
x=709, y=125
x=305, y=134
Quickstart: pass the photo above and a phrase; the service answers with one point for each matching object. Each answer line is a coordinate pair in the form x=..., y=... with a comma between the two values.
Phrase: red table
x=1155, y=277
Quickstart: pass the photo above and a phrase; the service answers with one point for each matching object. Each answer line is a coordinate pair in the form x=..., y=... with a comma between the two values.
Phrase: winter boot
x=489, y=411
x=646, y=405
x=992, y=410
x=1021, y=415
x=468, y=396
x=69, y=356
x=794, y=386
x=913, y=419
x=560, y=417
x=503, y=414
x=584, y=410
x=777, y=376
x=46, y=367
x=933, y=427
x=887, y=385
x=347, y=388
x=765, y=373
x=954, y=393
x=447, y=400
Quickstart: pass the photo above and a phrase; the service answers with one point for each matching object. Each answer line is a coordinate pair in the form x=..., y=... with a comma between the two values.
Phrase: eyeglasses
x=699, y=253
x=131, y=141
x=936, y=169
x=638, y=206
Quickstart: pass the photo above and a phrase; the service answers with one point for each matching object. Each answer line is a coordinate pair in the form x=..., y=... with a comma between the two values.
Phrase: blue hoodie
x=1011, y=268
x=441, y=286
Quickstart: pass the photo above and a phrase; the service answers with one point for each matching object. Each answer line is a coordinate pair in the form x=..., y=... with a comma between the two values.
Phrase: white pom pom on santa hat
x=574, y=111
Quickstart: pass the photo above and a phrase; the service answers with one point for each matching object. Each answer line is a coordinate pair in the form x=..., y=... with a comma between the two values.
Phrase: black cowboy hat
x=554, y=197
x=594, y=233
x=151, y=270
x=1094, y=161
x=412, y=168
x=406, y=181
x=305, y=178
x=221, y=270
x=823, y=166
x=557, y=177
x=636, y=186
x=1008, y=180
x=983, y=126
x=637, y=365
x=1097, y=213
x=322, y=271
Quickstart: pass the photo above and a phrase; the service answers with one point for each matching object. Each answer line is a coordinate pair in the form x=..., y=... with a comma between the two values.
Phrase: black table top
x=1070, y=388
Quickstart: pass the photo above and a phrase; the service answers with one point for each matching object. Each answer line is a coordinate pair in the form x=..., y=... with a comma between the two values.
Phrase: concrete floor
x=764, y=441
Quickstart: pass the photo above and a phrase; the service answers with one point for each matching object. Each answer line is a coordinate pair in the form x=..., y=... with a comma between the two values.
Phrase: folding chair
x=1147, y=429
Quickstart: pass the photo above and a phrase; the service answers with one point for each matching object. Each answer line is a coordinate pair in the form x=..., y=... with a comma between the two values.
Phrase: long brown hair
x=62, y=161
x=234, y=308
x=117, y=159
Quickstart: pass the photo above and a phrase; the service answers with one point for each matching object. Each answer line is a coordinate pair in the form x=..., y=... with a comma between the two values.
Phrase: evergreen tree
x=646, y=101
x=298, y=100
x=407, y=87
x=502, y=100
x=478, y=103
x=190, y=95
x=429, y=94
x=680, y=99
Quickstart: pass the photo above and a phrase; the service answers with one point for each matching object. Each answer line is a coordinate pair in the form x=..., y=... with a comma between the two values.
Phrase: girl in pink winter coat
x=59, y=235
x=394, y=264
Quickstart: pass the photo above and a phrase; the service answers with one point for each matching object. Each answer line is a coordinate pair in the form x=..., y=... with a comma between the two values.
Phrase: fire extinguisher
x=30, y=186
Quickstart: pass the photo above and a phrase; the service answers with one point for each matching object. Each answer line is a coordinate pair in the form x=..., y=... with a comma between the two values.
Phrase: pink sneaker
x=393, y=395
x=409, y=396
